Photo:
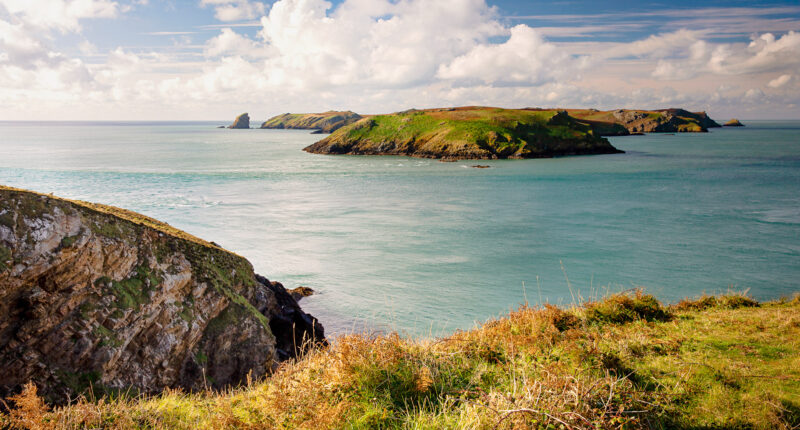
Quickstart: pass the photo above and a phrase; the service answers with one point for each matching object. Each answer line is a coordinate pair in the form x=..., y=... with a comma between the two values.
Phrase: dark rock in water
x=733, y=123
x=97, y=296
x=242, y=121
x=300, y=292
x=480, y=166
x=221, y=126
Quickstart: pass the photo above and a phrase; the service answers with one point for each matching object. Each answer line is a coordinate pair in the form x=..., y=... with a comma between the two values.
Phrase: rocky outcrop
x=622, y=122
x=93, y=295
x=241, y=121
x=326, y=122
x=733, y=123
x=467, y=133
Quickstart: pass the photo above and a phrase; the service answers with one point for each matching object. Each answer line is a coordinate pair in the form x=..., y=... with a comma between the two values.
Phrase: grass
x=626, y=362
x=468, y=132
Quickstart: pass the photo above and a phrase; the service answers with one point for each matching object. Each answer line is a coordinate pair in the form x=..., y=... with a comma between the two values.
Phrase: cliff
x=241, y=121
x=467, y=133
x=625, y=121
x=92, y=295
x=326, y=122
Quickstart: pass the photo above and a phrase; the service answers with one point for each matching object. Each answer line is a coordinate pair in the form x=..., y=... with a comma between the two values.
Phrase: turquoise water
x=426, y=247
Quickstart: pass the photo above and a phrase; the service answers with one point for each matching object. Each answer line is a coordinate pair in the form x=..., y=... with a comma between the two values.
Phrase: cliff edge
x=97, y=296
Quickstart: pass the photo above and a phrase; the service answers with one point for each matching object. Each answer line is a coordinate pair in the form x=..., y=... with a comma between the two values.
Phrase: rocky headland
x=97, y=296
x=325, y=122
x=622, y=122
x=241, y=121
x=467, y=133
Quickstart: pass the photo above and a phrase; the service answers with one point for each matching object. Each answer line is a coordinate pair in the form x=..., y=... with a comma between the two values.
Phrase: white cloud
x=229, y=43
x=63, y=15
x=235, y=10
x=780, y=81
x=378, y=56
x=524, y=59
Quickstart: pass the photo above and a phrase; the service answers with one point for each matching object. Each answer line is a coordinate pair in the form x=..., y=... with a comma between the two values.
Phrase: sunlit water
x=426, y=247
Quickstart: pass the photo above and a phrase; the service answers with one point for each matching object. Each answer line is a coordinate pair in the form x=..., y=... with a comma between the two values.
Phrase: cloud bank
x=377, y=56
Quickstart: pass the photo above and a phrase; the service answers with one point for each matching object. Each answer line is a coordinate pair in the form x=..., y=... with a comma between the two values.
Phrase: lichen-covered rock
x=241, y=121
x=93, y=295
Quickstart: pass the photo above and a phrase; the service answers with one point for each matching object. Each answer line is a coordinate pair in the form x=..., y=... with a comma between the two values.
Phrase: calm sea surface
x=426, y=247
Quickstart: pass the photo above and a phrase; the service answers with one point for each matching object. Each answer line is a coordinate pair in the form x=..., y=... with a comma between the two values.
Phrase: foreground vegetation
x=625, y=361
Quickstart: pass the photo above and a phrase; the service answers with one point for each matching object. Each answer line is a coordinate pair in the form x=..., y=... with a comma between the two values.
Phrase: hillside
x=624, y=121
x=326, y=122
x=101, y=298
x=467, y=133
x=625, y=361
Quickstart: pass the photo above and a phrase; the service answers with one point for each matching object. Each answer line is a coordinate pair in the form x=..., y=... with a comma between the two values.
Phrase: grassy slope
x=623, y=362
x=469, y=132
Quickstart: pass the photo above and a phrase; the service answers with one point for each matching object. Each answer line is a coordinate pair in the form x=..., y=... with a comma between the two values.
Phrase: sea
x=424, y=247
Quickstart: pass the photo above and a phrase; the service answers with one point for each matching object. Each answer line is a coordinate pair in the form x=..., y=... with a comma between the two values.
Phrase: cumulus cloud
x=683, y=55
x=235, y=10
x=378, y=56
x=524, y=59
x=780, y=81
x=63, y=15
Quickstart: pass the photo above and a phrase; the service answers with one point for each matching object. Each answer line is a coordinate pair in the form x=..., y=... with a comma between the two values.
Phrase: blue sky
x=212, y=59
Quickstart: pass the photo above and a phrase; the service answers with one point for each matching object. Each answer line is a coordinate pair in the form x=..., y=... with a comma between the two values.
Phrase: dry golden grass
x=622, y=362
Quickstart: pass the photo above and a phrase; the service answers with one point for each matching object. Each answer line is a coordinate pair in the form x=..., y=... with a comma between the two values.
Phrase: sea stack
x=242, y=121
x=734, y=123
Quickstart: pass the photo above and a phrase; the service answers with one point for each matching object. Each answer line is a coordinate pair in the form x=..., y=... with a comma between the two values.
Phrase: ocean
x=424, y=247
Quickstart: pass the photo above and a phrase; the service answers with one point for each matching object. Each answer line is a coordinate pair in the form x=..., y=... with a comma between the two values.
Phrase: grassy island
x=626, y=361
x=467, y=133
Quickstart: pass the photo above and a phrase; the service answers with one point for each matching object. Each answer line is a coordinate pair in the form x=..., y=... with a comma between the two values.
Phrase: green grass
x=623, y=362
x=471, y=132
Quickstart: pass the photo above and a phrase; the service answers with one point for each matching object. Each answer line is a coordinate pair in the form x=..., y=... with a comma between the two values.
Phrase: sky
x=214, y=59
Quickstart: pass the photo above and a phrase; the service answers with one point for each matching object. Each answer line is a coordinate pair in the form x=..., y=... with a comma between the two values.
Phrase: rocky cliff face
x=326, y=122
x=92, y=295
x=627, y=121
x=241, y=121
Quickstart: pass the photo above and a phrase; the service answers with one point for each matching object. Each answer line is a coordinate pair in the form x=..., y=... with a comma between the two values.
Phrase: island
x=622, y=122
x=325, y=122
x=472, y=132
x=733, y=123
x=94, y=297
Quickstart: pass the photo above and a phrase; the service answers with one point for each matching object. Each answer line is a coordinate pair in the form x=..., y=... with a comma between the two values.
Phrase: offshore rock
x=733, y=123
x=92, y=295
x=241, y=121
